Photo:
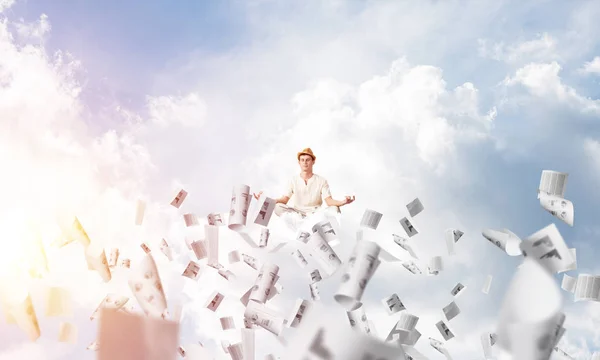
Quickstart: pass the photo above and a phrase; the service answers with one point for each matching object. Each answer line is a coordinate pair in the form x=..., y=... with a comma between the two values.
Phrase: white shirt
x=309, y=195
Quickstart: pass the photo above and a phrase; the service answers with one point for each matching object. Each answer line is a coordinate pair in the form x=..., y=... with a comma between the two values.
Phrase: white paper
x=327, y=231
x=457, y=290
x=504, y=240
x=25, y=317
x=409, y=227
x=487, y=285
x=300, y=309
x=587, y=288
x=227, y=323
x=166, y=249
x=179, y=198
x=199, y=248
x=266, y=211
x=139, y=212
x=251, y=261
x=548, y=248
x=560, y=208
x=393, y=304
x=360, y=268
x=412, y=267
x=192, y=270
x=404, y=244
x=300, y=259
x=67, y=333
x=240, y=202
x=414, y=207
x=487, y=341
x=553, y=183
x=58, y=302
x=323, y=253
x=110, y=301
x=248, y=344
x=451, y=311
x=190, y=220
x=315, y=276
x=214, y=301
x=233, y=257
x=114, y=258
x=146, y=248
x=573, y=265
x=264, y=317
x=321, y=338
x=96, y=260
x=314, y=291
x=439, y=346
x=529, y=313
x=569, y=283
x=264, y=237
x=146, y=286
x=370, y=219
x=435, y=265
x=211, y=233
x=358, y=320
x=267, y=277
x=215, y=219
x=401, y=332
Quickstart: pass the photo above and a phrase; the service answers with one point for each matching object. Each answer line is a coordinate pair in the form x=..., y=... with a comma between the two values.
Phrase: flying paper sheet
x=240, y=202
x=553, y=183
x=504, y=240
x=408, y=227
x=548, y=248
x=414, y=207
x=67, y=332
x=457, y=290
x=128, y=337
x=266, y=211
x=358, y=320
x=360, y=268
x=393, y=304
x=179, y=198
x=370, y=219
x=321, y=338
x=560, y=208
x=58, y=302
x=530, y=310
x=146, y=286
x=139, y=212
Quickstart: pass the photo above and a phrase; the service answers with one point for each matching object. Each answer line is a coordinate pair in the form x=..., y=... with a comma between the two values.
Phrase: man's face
x=306, y=162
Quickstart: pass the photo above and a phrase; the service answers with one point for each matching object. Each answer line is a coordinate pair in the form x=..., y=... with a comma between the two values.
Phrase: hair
x=312, y=157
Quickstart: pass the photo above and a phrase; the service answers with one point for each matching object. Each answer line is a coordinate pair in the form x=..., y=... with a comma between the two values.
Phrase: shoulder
x=320, y=178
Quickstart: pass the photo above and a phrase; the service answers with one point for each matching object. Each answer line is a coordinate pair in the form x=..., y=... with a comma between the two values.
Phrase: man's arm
x=332, y=202
x=282, y=200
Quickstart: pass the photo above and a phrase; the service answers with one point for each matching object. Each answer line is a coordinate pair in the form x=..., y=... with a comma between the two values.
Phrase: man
x=309, y=190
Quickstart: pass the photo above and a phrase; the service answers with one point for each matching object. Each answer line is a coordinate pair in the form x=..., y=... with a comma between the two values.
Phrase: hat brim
x=303, y=153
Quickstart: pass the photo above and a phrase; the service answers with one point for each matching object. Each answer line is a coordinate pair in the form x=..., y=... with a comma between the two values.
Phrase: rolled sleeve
x=325, y=192
x=290, y=189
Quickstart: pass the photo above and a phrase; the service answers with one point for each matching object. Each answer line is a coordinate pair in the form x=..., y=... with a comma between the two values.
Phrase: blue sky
x=208, y=94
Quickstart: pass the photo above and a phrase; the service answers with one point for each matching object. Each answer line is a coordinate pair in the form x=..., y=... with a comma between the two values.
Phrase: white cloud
x=189, y=110
x=5, y=4
x=591, y=67
x=543, y=48
x=542, y=80
x=36, y=30
x=591, y=148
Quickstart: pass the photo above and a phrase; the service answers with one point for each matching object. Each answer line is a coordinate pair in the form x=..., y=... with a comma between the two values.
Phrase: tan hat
x=307, y=151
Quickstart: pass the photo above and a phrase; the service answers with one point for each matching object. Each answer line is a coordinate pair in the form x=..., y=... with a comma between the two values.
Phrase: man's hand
x=257, y=196
x=349, y=199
